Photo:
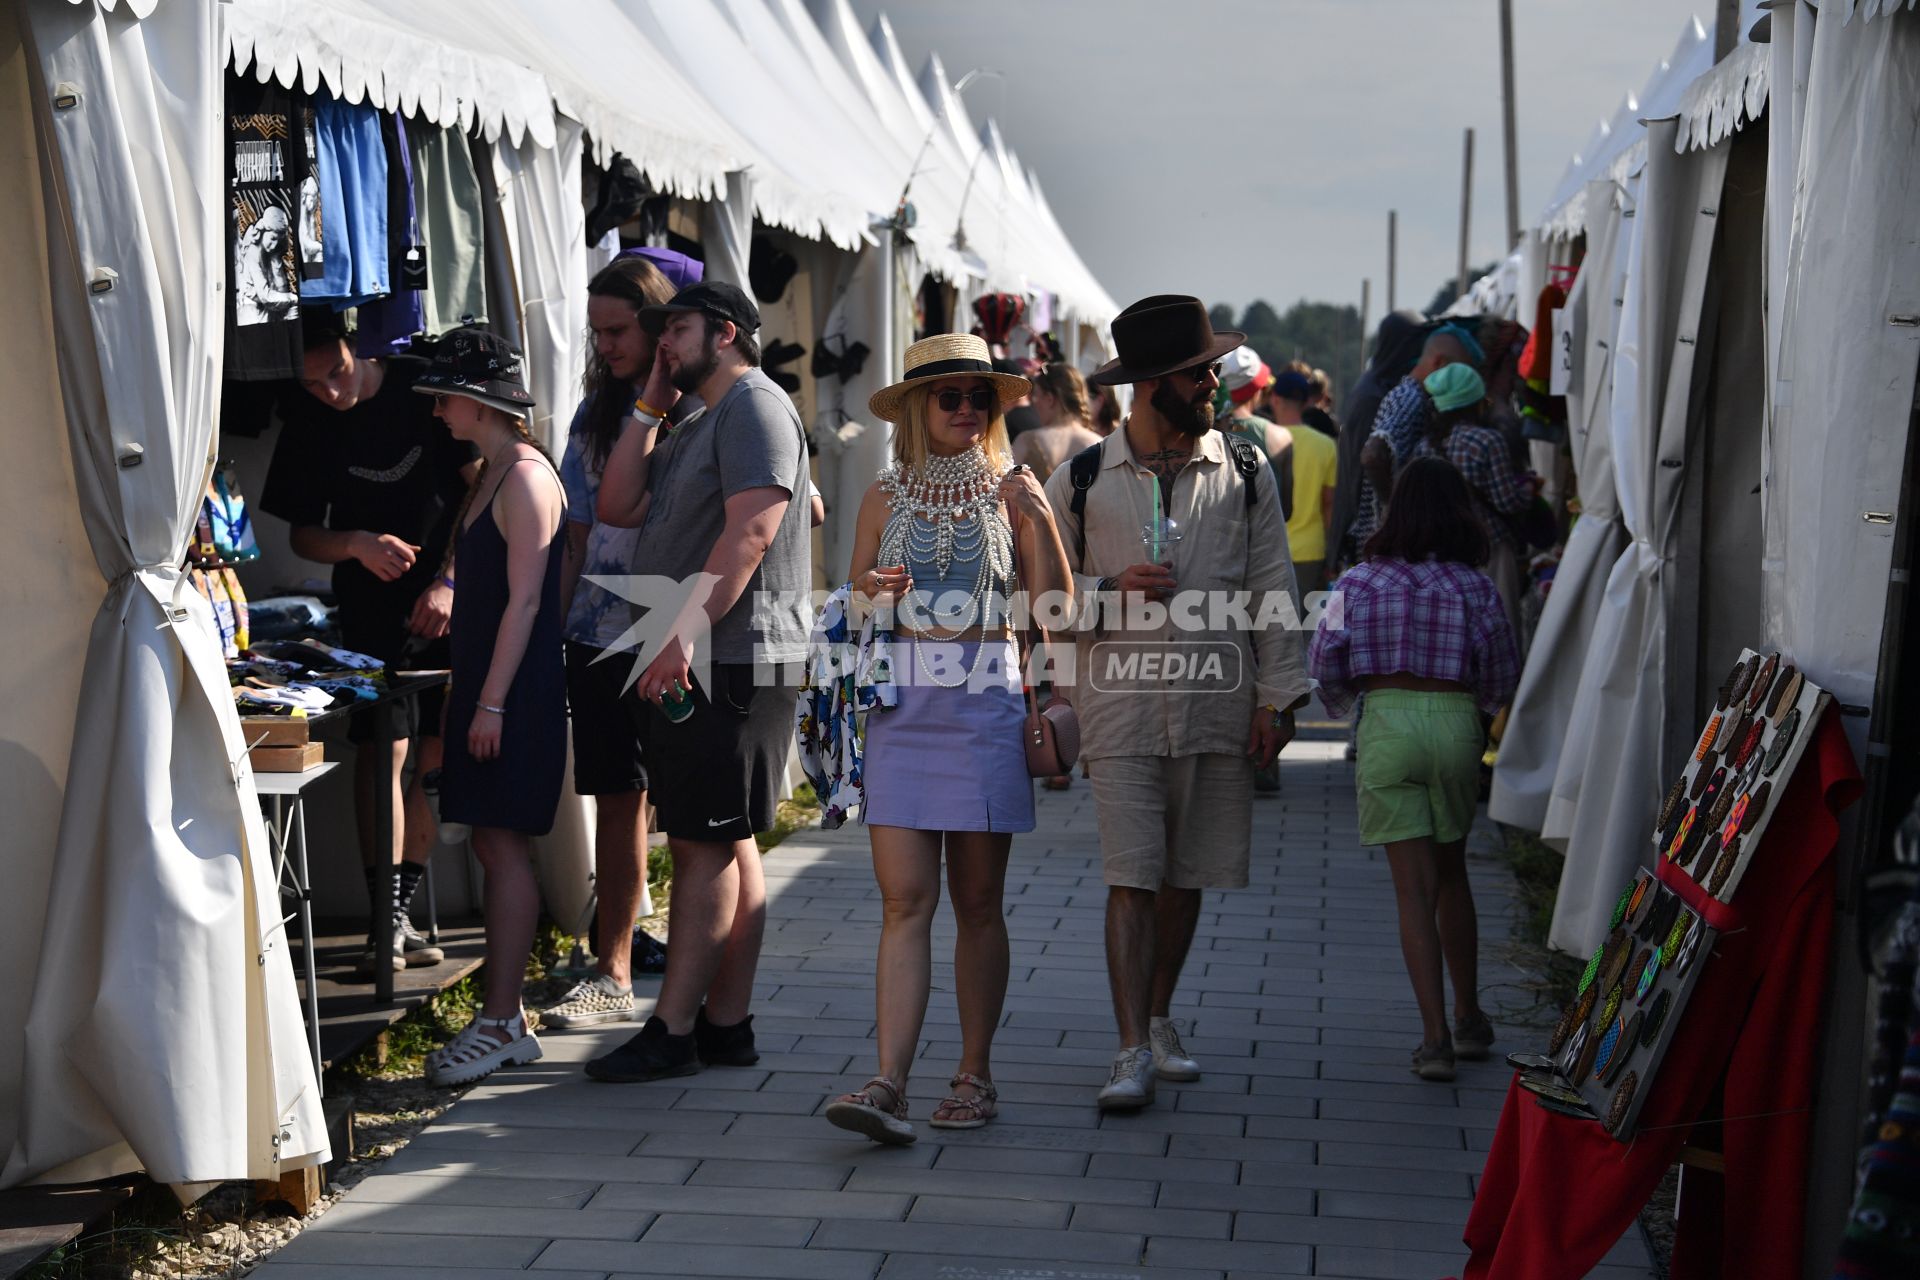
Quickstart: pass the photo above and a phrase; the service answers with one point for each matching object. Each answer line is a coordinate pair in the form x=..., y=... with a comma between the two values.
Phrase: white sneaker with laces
x=1130, y=1087
x=1170, y=1060
x=591, y=1002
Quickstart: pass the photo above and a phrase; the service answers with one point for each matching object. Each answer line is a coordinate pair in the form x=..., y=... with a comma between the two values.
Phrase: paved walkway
x=1308, y=1149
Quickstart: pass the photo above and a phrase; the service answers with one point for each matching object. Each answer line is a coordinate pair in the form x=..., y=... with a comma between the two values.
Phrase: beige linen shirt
x=1184, y=682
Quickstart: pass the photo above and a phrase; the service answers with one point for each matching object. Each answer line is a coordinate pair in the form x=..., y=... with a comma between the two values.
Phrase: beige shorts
x=1185, y=821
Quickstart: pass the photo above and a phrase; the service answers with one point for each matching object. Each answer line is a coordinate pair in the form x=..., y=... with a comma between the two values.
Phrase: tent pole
x=1507, y=126
x=1466, y=216
x=1726, y=28
x=1393, y=244
x=1366, y=308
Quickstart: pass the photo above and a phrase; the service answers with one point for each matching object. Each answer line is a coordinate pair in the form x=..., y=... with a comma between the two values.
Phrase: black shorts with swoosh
x=717, y=775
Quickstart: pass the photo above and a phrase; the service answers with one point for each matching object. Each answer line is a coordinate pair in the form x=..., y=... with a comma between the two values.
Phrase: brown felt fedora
x=1157, y=335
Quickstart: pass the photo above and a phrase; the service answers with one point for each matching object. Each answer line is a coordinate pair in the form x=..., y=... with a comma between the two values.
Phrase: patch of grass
x=132, y=1234
x=803, y=810
x=1536, y=869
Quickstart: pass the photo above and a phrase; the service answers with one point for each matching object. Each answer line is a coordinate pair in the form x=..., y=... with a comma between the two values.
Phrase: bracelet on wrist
x=641, y=409
x=447, y=582
x=482, y=706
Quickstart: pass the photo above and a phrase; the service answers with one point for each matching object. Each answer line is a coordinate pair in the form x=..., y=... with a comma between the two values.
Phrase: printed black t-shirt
x=386, y=465
x=270, y=191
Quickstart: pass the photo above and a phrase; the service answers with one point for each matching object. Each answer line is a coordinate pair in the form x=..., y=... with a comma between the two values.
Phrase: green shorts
x=1419, y=765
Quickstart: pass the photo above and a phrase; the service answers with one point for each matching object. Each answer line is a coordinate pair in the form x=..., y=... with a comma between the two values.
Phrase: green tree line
x=1324, y=334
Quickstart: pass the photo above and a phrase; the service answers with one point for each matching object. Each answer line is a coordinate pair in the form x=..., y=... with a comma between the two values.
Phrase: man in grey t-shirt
x=721, y=501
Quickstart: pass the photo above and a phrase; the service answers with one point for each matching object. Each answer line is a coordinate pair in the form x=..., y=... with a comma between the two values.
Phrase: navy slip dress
x=519, y=789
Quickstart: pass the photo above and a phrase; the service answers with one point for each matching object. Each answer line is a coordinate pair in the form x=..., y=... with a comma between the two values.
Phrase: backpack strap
x=1248, y=461
x=1083, y=470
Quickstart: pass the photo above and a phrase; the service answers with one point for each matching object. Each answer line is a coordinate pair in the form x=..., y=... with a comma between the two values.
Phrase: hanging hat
x=478, y=364
x=769, y=268
x=1455, y=387
x=946, y=355
x=998, y=313
x=1161, y=334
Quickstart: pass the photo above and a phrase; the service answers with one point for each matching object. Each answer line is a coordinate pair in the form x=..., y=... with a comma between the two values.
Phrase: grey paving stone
x=1244, y=1198
x=395, y=1249
x=1386, y=1233
x=510, y=1164
x=493, y=1220
x=645, y=1259
x=918, y=1237
x=1164, y=1169
x=769, y=1173
x=1386, y=1264
x=275, y=1269
x=1373, y=1155
x=921, y=1266
x=426, y=1189
x=974, y=1158
x=825, y=1150
x=935, y=1182
x=1382, y=1205
x=1246, y=1255
x=1199, y=1223
x=731, y=1229
x=1401, y=1181
x=990, y=1212
x=703, y=1198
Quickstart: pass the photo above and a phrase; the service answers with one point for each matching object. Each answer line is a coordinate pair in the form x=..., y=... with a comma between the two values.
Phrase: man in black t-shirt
x=371, y=484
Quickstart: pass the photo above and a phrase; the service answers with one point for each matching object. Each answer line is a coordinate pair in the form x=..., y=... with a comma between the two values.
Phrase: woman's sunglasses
x=949, y=401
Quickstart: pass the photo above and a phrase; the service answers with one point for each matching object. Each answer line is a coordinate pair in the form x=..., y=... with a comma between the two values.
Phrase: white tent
x=162, y=1031
x=153, y=1023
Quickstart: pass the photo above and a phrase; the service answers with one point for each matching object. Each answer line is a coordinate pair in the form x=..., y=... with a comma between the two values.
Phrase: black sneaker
x=720, y=1046
x=651, y=1055
x=649, y=953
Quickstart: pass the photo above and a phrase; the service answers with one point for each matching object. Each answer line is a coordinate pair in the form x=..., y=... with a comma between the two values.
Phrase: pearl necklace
x=949, y=512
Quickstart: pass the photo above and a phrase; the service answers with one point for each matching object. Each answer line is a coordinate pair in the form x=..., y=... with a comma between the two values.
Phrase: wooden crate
x=274, y=731
x=287, y=759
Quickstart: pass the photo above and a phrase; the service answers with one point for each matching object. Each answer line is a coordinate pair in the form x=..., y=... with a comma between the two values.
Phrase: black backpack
x=1084, y=469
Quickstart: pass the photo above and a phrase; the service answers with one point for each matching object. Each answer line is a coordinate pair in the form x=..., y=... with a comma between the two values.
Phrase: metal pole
x=1726, y=28
x=1366, y=310
x=1507, y=124
x=1466, y=216
x=1393, y=241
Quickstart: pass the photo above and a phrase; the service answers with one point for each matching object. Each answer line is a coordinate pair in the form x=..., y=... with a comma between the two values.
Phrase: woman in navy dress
x=506, y=715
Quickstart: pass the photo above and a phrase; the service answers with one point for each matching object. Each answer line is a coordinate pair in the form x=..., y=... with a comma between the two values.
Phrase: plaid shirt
x=1435, y=619
x=1481, y=455
x=1402, y=420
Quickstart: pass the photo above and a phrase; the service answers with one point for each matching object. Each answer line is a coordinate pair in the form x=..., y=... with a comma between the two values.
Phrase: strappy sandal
x=471, y=1056
x=956, y=1112
x=862, y=1112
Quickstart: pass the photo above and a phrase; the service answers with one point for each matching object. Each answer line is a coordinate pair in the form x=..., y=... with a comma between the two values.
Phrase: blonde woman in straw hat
x=941, y=539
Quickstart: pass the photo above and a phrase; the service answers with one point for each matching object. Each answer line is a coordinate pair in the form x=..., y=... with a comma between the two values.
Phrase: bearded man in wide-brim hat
x=1170, y=524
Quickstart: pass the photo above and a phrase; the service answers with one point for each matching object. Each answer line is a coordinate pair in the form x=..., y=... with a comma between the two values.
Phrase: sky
x=1242, y=149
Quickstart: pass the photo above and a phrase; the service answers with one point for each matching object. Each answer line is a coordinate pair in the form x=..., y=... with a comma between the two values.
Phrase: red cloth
x=1557, y=1192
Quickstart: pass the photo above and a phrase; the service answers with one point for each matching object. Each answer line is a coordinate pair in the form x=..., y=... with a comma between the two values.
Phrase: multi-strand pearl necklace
x=949, y=512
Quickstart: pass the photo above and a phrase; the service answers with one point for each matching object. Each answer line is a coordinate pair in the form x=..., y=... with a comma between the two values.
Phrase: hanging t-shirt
x=386, y=465
x=266, y=168
x=387, y=325
x=446, y=194
x=350, y=162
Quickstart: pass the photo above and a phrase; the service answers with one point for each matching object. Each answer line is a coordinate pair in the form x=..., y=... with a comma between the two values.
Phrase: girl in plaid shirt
x=1424, y=635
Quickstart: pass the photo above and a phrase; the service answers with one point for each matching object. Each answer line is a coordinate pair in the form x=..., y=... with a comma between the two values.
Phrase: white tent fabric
x=546, y=229
x=1850, y=342
x=1609, y=778
x=163, y=1032
x=1543, y=707
x=812, y=176
x=592, y=63
x=363, y=52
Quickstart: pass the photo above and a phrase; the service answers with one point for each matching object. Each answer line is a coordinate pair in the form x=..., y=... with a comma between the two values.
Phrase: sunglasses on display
x=949, y=401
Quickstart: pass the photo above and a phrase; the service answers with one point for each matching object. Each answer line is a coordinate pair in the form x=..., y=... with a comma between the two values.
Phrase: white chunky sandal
x=471, y=1056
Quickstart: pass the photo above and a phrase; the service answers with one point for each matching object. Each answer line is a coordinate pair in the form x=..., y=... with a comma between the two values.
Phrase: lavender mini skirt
x=950, y=759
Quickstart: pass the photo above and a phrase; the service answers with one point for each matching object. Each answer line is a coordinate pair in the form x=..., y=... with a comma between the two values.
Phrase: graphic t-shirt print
x=267, y=164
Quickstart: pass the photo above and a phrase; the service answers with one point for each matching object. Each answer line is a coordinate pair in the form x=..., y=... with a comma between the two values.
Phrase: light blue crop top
x=946, y=602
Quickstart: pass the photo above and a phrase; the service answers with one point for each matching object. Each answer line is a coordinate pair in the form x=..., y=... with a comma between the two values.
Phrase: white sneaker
x=591, y=1002
x=413, y=944
x=1130, y=1087
x=1170, y=1060
x=471, y=1056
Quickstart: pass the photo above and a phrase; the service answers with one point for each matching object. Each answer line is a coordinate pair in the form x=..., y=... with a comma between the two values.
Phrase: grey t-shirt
x=751, y=439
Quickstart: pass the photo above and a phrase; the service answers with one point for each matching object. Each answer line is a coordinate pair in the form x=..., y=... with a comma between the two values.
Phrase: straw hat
x=946, y=355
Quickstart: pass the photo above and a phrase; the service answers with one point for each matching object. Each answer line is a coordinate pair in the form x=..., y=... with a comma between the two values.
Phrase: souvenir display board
x=1631, y=999
x=1607, y=1046
x=1715, y=813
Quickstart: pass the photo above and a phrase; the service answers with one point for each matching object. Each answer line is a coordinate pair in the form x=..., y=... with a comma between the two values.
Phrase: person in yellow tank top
x=1316, y=460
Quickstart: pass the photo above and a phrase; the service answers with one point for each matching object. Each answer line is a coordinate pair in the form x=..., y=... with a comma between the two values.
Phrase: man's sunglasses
x=1201, y=372
x=949, y=401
